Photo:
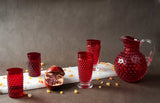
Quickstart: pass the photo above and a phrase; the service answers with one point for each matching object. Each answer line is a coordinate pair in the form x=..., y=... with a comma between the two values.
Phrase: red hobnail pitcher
x=131, y=65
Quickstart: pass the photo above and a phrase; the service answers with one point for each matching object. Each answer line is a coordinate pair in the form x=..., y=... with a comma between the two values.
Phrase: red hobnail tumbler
x=85, y=68
x=15, y=82
x=94, y=47
x=34, y=64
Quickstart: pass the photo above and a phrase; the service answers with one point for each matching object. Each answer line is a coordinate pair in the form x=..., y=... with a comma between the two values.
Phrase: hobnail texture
x=130, y=65
x=34, y=64
x=94, y=46
x=34, y=68
x=85, y=68
x=15, y=82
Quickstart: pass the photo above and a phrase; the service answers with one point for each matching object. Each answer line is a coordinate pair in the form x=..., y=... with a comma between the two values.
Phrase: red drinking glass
x=85, y=68
x=15, y=82
x=34, y=64
x=94, y=47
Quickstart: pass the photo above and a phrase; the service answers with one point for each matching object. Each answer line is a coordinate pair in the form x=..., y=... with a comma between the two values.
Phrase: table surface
x=145, y=91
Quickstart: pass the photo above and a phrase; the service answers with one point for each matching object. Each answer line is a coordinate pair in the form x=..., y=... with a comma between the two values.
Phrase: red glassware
x=85, y=68
x=34, y=64
x=94, y=47
x=131, y=65
x=15, y=82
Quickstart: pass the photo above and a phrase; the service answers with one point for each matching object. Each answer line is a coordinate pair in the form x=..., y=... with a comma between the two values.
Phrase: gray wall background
x=58, y=29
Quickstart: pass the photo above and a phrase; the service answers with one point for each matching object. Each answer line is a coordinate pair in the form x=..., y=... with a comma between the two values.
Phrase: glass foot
x=85, y=85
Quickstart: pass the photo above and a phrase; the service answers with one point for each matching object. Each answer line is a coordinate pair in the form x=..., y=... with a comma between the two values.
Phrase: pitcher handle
x=151, y=53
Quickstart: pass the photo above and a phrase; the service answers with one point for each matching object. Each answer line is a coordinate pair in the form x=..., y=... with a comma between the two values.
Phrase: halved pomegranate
x=54, y=77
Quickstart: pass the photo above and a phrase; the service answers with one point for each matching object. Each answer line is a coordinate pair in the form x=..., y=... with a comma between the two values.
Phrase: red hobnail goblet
x=94, y=47
x=85, y=68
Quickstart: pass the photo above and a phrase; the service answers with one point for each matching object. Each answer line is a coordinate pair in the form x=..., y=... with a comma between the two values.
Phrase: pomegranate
x=55, y=69
x=54, y=77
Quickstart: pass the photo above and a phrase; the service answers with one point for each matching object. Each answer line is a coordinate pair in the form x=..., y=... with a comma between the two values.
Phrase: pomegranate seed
x=24, y=93
x=1, y=84
x=42, y=64
x=112, y=66
x=29, y=95
x=116, y=84
x=61, y=92
x=110, y=78
x=101, y=62
x=48, y=91
x=99, y=86
x=101, y=82
x=71, y=75
x=97, y=78
x=76, y=91
x=42, y=81
x=26, y=70
x=108, y=84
